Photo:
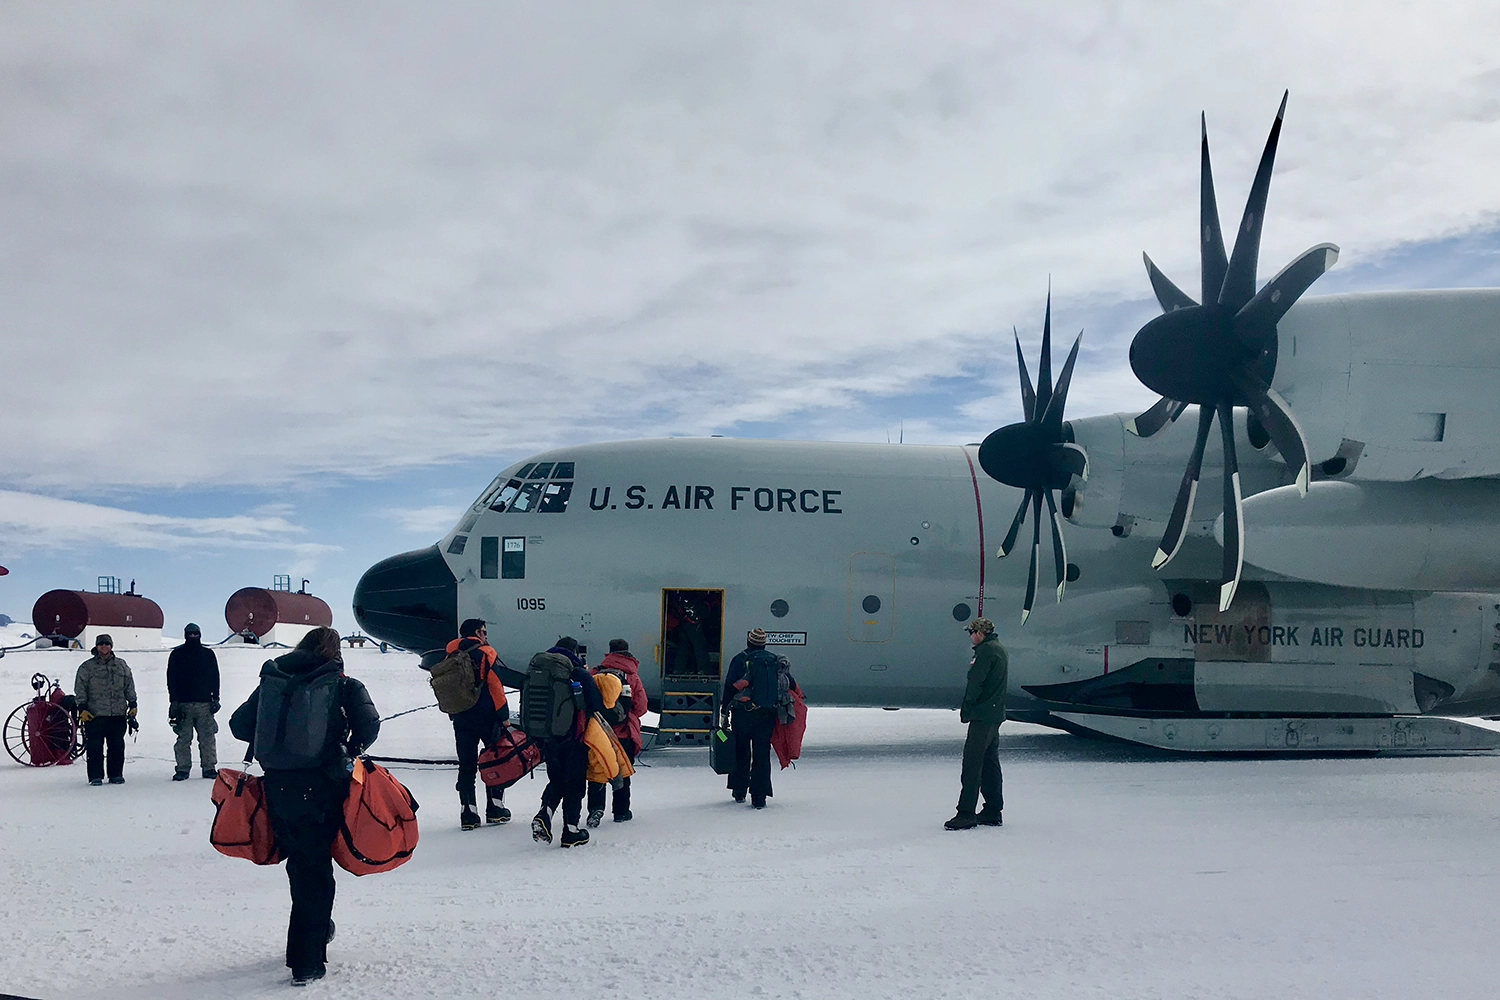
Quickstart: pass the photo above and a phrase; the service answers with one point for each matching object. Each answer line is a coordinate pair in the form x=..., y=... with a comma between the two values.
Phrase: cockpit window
x=555, y=497
x=489, y=492
x=541, y=471
x=527, y=499
x=506, y=495
x=526, y=470
x=564, y=470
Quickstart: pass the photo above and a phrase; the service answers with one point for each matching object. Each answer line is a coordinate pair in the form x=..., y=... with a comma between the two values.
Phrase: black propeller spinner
x=1035, y=456
x=1222, y=354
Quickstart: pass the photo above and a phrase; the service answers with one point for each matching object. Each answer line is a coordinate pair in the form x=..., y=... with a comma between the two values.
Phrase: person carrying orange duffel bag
x=306, y=723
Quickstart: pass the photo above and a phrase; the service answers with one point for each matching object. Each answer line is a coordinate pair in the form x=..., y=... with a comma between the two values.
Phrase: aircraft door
x=872, y=597
x=692, y=633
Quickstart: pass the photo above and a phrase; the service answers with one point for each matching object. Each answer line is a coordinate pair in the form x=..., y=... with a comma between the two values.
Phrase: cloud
x=425, y=521
x=31, y=522
x=282, y=242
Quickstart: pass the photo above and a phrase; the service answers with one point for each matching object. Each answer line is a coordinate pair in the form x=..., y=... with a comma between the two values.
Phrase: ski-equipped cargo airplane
x=1340, y=592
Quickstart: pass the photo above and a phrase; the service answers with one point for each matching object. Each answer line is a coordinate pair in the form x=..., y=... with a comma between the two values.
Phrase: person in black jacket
x=193, y=696
x=567, y=757
x=307, y=762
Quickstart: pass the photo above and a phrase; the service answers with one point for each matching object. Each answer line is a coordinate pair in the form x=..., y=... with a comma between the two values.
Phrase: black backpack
x=548, y=706
x=298, y=719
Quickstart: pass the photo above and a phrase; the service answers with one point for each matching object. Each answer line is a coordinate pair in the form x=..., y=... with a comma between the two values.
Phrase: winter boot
x=573, y=836
x=210, y=772
x=468, y=819
x=757, y=802
x=988, y=817
x=962, y=821
x=495, y=814
x=301, y=977
x=596, y=816
x=117, y=780
x=96, y=782
x=541, y=827
x=623, y=816
x=180, y=776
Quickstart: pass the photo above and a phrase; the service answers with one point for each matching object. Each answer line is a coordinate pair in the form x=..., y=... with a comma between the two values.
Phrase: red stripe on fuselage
x=979, y=508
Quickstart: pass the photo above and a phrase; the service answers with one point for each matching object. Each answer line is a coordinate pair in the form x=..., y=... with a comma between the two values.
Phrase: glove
x=85, y=717
x=174, y=715
x=130, y=712
x=132, y=725
x=625, y=691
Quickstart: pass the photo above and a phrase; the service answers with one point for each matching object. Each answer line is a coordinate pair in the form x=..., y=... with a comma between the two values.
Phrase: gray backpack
x=548, y=707
x=298, y=719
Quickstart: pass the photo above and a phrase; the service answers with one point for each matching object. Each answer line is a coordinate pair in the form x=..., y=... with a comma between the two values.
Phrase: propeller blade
x=1066, y=462
x=1187, y=492
x=1210, y=238
x=1059, y=550
x=1267, y=406
x=1054, y=416
x=1239, y=280
x=1044, y=363
x=1164, y=412
x=1015, y=527
x=1257, y=320
x=1169, y=295
x=1036, y=546
x=1028, y=396
x=1234, y=513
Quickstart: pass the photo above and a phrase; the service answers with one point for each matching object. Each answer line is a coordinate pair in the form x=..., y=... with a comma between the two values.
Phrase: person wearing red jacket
x=632, y=704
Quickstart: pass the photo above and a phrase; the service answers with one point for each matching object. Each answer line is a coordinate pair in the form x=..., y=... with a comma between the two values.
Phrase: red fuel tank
x=261, y=610
x=69, y=612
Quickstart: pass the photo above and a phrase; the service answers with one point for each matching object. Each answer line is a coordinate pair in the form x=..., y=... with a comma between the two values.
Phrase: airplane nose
x=410, y=600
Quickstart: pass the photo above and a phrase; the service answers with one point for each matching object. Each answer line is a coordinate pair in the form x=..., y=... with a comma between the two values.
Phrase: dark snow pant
x=567, y=776
x=752, y=751
x=622, y=793
x=307, y=808
x=468, y=736
x=111, y=728
x=981, y=769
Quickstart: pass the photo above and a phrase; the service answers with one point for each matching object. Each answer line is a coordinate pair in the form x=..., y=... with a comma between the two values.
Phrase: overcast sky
x=284, y=285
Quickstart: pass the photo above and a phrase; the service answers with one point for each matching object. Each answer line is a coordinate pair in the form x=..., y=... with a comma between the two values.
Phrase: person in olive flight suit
x=983, y=709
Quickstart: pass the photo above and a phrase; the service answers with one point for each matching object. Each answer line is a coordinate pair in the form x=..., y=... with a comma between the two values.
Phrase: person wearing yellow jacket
x=608, y=761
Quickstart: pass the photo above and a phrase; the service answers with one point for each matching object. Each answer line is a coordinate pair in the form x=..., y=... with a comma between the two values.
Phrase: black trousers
x=752, y=751
x=622, y=794
x=567, y=776
x=102, y=728
x=306, y=810
x=469, y=735
x=981, y=771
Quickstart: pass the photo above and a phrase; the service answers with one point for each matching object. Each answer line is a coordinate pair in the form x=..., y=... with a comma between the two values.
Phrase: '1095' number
x=531, y=604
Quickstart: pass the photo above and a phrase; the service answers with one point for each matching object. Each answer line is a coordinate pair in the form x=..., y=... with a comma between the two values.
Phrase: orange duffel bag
x=379, y=831
x=242, y=821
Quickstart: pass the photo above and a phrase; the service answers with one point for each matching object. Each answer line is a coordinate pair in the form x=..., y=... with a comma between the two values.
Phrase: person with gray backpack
x=558, y=698
x=306, y=722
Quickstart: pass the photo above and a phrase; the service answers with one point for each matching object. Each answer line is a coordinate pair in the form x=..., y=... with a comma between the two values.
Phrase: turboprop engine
x=1422, y=535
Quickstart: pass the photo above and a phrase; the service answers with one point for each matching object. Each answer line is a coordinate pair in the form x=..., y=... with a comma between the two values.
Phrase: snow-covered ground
x=1118, y=873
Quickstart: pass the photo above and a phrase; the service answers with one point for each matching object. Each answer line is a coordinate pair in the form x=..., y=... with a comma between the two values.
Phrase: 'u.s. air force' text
x=766, y=499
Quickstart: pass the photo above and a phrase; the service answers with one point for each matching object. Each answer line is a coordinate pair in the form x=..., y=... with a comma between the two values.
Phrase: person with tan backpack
x=471, y=693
